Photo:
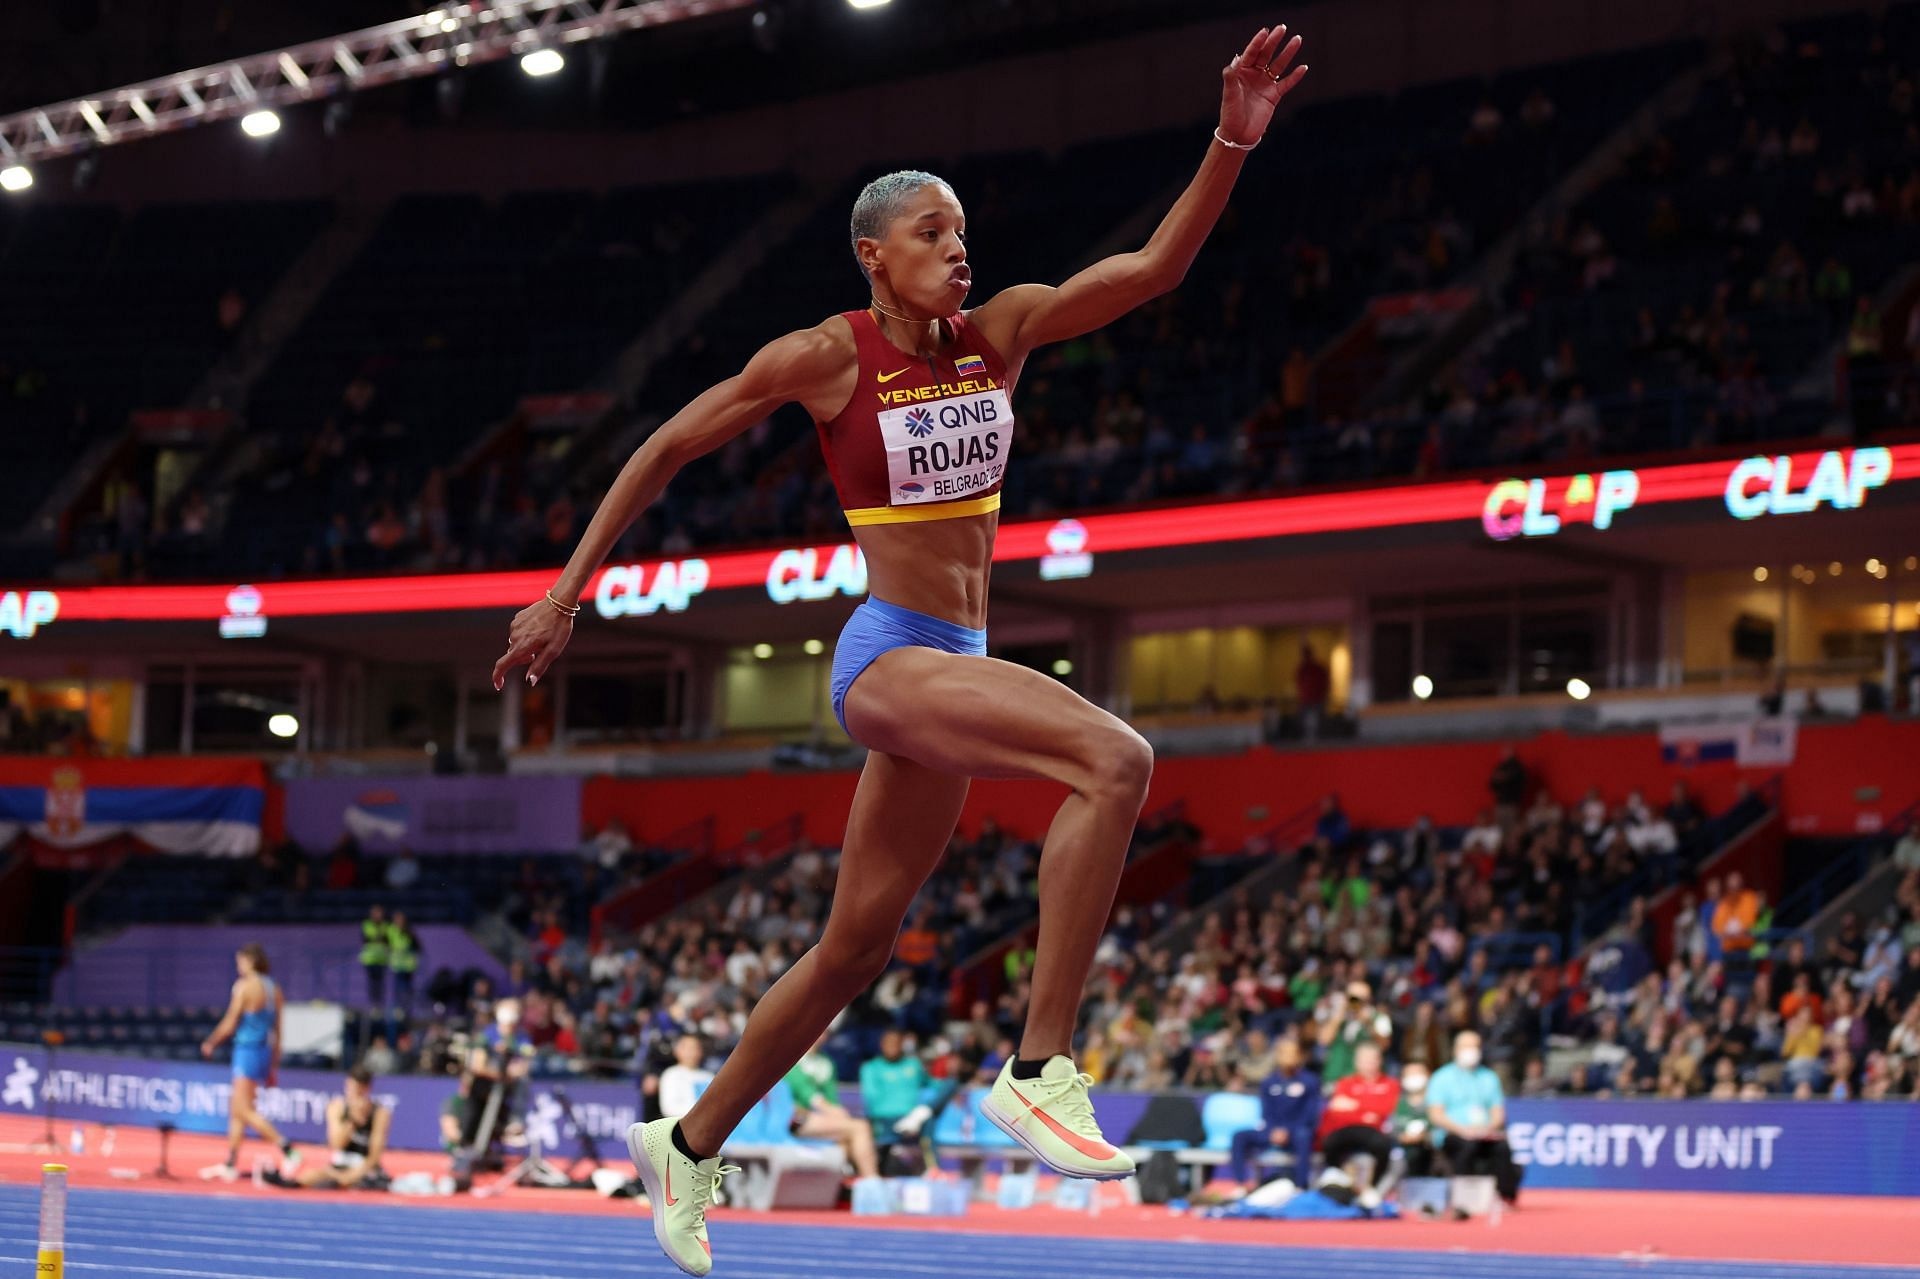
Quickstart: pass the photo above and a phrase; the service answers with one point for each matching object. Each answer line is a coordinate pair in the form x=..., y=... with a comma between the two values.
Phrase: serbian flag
x=968, y=365
x=210, y=807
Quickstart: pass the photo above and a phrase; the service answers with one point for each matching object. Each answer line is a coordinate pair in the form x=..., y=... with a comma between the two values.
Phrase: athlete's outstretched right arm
x=790, y=368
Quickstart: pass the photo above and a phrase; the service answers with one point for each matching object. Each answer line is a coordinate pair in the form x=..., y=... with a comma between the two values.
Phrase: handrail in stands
x=1845, y=870
x=667, y=889
x=1592, y=920
x=981, y=975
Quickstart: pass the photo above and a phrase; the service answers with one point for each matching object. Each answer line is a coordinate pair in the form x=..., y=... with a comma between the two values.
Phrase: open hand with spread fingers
x=1254, y=82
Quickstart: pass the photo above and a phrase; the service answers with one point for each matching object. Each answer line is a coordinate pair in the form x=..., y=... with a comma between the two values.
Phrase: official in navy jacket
x=1290, y=1105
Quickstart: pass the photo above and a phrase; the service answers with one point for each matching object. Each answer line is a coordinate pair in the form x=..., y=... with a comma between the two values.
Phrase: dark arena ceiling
x=782, y=49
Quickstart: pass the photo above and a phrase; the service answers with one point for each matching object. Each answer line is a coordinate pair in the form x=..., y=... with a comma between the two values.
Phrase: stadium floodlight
x=260, y=124
x=283, y=725
x=763, y=651
x=470, y=33
x=1578, y=689
x=16, y=177
x=1062, y=667
x=869, y=4
x=814, y=647
x=1422, y=687
x=542, y=62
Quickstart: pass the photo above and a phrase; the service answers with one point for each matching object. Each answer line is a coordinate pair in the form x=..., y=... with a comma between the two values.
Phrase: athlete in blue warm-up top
x=253, y=1022
x=912, y=397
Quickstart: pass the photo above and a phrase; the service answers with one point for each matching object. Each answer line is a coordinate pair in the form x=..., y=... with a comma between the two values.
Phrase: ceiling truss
x=452, y=36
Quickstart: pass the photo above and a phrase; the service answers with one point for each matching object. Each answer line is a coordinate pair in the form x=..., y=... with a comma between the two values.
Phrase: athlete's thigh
x=979, y=716
x=903, y=814
x=243, y=1089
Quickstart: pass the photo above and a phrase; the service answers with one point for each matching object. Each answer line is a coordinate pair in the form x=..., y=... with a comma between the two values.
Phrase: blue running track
x=129, y=1233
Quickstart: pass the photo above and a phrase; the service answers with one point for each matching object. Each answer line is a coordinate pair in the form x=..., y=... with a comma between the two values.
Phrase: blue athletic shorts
x=877, y=626
x=252, y=1061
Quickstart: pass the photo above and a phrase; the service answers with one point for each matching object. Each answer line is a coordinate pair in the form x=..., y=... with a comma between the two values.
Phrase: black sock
x=680, y=1144
x=1025, y=1069
x=286, y=1148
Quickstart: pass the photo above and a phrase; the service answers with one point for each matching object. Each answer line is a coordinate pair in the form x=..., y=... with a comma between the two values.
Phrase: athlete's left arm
x=1032, y=315
x=226, y=1026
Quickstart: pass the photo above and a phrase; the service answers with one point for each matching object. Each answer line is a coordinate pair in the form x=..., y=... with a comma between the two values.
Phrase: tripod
x=588, y=1152
x=533, y=1166
x=49, y=1144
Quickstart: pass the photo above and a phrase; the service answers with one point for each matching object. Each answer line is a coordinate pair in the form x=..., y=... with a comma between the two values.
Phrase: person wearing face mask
x=1468, y=1110
x=1409, y=1125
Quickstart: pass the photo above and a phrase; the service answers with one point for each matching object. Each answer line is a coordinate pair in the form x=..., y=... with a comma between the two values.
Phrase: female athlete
x=911, y=398
x=253, y=1021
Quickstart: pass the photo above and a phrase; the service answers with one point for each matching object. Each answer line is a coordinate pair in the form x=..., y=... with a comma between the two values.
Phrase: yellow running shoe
x=1052, y=1116
x=679, y=1191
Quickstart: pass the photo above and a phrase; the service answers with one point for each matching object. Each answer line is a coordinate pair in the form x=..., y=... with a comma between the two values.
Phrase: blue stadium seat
x=985, y=1131
x=1226, y=1113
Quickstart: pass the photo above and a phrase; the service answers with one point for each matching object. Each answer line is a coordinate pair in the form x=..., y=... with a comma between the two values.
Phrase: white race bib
x=940, y=450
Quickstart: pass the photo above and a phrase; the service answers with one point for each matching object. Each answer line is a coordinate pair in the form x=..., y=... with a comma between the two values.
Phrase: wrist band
x=1228, y=142
x=574, y=611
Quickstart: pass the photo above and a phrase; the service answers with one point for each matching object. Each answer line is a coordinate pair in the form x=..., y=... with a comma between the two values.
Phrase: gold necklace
x=881, y=307
x=934, y=325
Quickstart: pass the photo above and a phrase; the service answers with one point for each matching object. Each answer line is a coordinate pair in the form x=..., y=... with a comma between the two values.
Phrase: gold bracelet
x=570, y=612
x=1225, y=141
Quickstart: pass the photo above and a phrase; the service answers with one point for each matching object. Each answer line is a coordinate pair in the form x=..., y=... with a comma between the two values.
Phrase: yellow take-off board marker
x=53, y=1222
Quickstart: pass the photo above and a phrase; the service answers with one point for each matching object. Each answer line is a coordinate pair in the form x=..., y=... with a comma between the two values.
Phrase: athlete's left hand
x=1253, y=84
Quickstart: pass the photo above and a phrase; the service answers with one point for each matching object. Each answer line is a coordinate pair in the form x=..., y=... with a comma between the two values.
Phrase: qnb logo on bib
x=951, y=448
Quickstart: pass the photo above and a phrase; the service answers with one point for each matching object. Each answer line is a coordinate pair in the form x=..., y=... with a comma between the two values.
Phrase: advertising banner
x=437, y=814
x=1765, y=1147
x=191, y=1096
x=1774, y=1147
x=1752, y=743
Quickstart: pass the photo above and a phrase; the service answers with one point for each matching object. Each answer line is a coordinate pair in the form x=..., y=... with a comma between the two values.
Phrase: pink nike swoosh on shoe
x=1091, y=1149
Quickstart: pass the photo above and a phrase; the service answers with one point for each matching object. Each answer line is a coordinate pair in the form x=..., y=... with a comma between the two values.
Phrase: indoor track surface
x=131, y=1233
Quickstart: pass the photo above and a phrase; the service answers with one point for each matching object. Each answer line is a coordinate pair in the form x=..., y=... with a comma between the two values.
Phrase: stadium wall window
x=1234, y=666
x=231, y=709
x=1561, y=645
x=42, y=715
x=607, y=706
x=1812, y=623
x=409, y=706
x=1480, y=645
x=783, y=693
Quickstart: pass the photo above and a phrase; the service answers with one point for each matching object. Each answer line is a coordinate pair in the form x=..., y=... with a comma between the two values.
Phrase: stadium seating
x=108, y=312
x=458, y=307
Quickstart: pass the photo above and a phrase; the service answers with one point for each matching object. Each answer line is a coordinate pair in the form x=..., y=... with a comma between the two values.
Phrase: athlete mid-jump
x=912, y=400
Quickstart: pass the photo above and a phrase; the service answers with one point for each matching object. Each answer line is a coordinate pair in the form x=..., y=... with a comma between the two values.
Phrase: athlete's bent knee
x=858, y=961
x=1120, y=767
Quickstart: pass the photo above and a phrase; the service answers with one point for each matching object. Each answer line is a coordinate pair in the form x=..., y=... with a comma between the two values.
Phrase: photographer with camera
x=1348, y=1020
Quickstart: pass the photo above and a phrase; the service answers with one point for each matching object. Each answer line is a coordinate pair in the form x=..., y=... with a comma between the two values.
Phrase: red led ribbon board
x=639, y=589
